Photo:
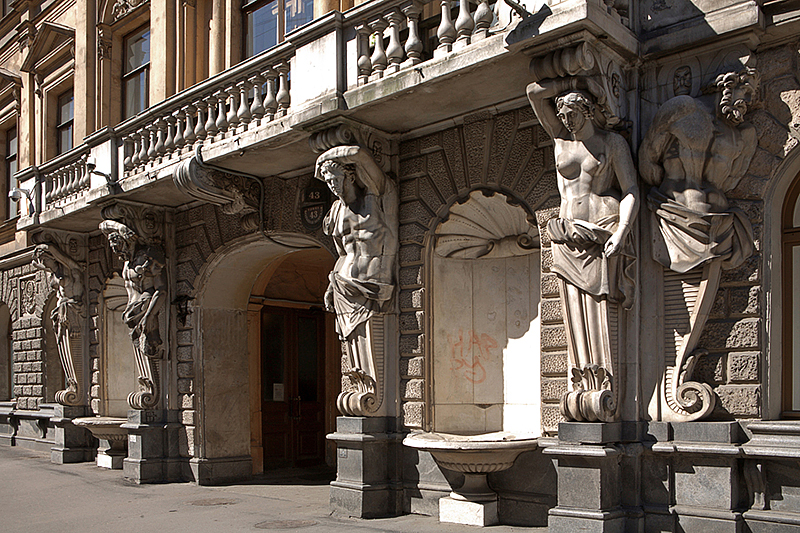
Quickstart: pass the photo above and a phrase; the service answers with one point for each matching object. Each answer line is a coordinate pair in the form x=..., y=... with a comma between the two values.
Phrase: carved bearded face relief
x=682, y=81
x=737, y=92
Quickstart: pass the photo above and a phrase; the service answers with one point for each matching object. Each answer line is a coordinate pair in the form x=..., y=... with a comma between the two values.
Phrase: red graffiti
x=461, y=351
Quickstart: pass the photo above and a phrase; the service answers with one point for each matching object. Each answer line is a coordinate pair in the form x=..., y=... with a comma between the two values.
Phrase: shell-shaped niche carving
x=486, y=226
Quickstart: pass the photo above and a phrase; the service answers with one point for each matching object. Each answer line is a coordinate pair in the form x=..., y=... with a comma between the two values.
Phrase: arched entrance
x=256, y=304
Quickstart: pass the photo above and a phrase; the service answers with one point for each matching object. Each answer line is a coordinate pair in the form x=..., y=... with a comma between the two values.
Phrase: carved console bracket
x=62, y=256
x=345, y=132
x=136, y=233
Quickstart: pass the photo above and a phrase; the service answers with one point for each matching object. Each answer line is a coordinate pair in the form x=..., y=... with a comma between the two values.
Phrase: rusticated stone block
x=744, y=300
x=740, y=400
x=554, y=338
x=412, y=367
x=184, y=353
x=554, y=363
x=553, y=389
x=551, y=311
x=547, y=259
x=549, y=284
x=410, y=253
x=744, y=366
x=411, y=299
x=411, y=275
x=187, y=417
x=185, y=370
x=412, y=322
x=551, y=416
x=185, y=386
x=709, y=369
x=411, y=344
x=412, y=414
x=412, y=389
x=187, y=401
x=731, y=334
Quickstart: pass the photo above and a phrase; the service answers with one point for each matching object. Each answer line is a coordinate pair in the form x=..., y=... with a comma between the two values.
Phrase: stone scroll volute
x=578, y=98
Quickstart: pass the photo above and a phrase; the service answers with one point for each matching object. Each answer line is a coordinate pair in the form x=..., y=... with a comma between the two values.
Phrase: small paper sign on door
x=277, y=392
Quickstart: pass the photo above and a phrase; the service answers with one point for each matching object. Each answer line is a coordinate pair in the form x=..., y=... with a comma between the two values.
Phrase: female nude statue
x=592, y=248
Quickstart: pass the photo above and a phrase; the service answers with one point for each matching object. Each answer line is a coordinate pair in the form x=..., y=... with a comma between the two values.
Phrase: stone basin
x=113, y=438
x=474, y=456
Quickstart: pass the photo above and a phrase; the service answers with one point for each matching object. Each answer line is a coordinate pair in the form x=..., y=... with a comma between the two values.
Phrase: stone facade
x=250, y=368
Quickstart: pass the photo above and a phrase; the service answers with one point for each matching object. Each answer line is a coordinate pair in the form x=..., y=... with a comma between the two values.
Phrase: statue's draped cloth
x=689, y=238
x=356, y=301
x=579, y=259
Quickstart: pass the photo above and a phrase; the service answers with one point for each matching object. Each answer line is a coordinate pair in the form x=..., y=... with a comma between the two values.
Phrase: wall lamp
x=91, y=166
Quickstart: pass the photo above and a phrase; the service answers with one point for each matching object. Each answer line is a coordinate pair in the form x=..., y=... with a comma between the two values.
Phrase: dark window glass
x=273, y=345
x=11, y=169
x=66, y=113
x=136, y=73
x=267, y=22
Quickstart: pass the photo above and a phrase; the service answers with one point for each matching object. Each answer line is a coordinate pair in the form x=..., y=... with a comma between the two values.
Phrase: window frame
x=252, y=6
x=65, y=125
x=790, y=237
x=12, y=207
x=144, y=68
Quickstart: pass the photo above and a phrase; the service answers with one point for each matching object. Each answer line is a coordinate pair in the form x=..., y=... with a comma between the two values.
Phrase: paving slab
x=41, y=497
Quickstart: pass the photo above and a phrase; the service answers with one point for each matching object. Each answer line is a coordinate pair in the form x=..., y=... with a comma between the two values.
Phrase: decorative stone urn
x=113, y=439
x=475, y=456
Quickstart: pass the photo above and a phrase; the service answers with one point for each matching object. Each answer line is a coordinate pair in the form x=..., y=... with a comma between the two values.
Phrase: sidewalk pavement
x=40, y=497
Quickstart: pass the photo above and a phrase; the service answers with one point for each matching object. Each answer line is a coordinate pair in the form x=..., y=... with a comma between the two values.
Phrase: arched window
x=790, y=243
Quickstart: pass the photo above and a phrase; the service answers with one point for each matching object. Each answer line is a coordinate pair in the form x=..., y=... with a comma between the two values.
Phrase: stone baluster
x=464, y=24
x=483, y=19
x=283, y=97
x=179, y=141
x=395, y=51
x=56, y=177
x=413, y=43
x=200, y=129
x=257, y=107
x=222, y=113
x=364, y=62
x=233, y=109
x=270, y=103
x=69, y=177
x=160, y=146
x=188, y=134
x=379, y=59
x=48, y=189
x=446, y=32
x=135, y=155
x=211, y=123
x=169, y=141
x=74, y=178
x=85, y=176
x=243, y=113
x=145, y=141
x=62, y=184
x=151, y=151
x=127, y=163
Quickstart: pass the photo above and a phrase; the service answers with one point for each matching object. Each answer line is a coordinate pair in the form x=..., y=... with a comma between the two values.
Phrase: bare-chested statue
x=363, y=223
x=696, y=150
x=145, y=282
x=592, y=248
x=66, y=277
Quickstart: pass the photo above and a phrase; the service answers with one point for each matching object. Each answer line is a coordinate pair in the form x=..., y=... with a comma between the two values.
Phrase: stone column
x=233, y=32
x=162, y=64
x=216, y=42
x=85, y=58
x=189, y=43
x=367, y=481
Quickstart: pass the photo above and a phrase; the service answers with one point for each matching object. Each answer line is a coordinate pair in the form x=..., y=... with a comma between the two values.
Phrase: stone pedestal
x=153, y=453
x=455, y=511
x=367, y=482
x=589, y=479
x=72, y=444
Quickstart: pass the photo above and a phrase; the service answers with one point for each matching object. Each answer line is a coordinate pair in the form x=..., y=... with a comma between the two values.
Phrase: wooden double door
x=293, y=386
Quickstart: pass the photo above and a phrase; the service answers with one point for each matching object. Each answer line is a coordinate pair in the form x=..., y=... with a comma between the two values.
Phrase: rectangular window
x=11, y=169
x=266, y=22
x=64, y=121
x=136, y=73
